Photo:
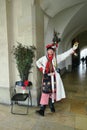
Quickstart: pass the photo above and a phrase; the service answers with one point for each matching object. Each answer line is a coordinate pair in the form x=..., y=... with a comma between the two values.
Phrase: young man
x=52, y=86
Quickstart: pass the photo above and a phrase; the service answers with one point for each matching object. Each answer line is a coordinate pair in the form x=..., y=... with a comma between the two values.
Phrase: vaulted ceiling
x=78, y=23
x=53, y=7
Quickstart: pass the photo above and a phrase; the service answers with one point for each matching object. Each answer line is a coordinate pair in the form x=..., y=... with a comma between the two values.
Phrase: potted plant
x=24, y=58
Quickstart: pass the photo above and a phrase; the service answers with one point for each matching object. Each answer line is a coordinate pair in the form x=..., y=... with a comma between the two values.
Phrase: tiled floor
x=71, y=113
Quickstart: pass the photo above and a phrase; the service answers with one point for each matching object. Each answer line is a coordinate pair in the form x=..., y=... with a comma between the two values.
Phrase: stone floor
x=71, y=113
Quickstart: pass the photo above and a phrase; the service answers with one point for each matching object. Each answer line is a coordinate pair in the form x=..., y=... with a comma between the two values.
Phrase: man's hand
x=75, y=46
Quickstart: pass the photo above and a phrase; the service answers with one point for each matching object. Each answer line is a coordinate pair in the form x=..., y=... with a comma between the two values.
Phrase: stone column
x=38, y=40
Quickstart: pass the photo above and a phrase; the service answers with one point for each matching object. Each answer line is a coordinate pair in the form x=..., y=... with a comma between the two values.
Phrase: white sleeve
x=64, y=55
x=39, y=62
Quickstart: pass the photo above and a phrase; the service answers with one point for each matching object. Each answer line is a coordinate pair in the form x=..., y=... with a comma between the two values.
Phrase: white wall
x=4, y=59
x=19, y=21
x=4, y=73
x=25, y=24
x=20, y=29
x=16, y=24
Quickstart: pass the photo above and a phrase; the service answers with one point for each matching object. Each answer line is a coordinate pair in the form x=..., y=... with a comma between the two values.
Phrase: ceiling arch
x=53, y=7
x=75, y=24
x=78, y=22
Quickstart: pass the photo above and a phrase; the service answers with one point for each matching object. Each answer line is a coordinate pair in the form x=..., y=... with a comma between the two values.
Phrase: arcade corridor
x=71, y=113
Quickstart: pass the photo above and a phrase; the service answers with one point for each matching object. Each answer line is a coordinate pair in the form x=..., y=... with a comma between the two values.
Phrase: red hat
x=51, y=46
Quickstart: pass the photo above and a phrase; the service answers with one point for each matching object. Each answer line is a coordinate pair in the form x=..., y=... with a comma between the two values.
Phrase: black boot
x=42, y=110
x=51, y=105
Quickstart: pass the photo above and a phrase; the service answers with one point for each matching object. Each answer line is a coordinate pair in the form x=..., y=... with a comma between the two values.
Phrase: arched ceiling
x=53, y=7
x=77, y=24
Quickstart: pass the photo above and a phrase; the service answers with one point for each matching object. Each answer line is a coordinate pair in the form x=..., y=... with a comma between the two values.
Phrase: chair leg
x=12, y=107
x=30, y=97
x=27, y=106
x=12, y=111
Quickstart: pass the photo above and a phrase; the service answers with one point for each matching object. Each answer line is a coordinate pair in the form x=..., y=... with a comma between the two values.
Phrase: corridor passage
x=75, y=82
x=71, y=113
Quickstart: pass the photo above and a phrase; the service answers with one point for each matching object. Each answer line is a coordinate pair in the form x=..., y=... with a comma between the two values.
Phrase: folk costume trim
x=49, y=65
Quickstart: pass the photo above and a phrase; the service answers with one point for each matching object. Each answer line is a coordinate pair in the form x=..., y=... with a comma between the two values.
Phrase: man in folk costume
x=52, y=85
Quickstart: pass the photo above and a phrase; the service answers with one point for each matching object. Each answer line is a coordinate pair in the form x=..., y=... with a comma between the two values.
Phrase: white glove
x=75, y=46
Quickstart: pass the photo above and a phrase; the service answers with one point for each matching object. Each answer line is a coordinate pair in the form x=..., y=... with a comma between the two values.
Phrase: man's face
x=50, y=51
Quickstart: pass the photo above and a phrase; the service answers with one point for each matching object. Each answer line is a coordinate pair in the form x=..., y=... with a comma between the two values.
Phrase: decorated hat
x=51, y=46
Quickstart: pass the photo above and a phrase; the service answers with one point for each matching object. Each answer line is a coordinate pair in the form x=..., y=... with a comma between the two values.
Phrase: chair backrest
x=21, y=83
x=22, y=87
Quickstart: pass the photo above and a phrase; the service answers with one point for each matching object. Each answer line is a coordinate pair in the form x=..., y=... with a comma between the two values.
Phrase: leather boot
x=42, y=110
x=51, y=105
